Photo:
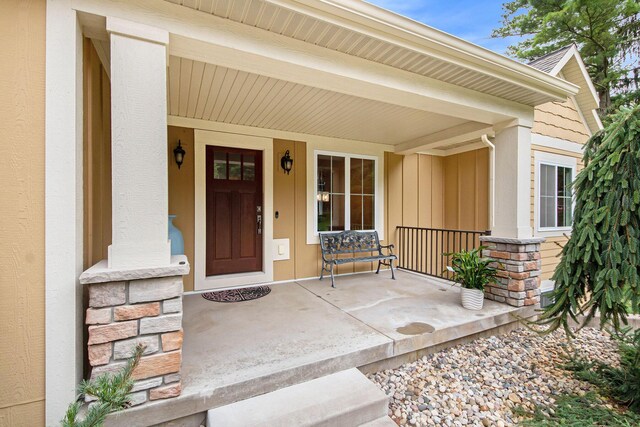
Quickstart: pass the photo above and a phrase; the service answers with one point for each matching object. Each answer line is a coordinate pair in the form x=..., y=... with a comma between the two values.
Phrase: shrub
x=112, y=393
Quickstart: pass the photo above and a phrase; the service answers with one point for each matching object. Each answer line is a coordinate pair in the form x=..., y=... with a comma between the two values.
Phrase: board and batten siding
x=22, y=213
x=557, y=120
x=417, y=192
x=97, y=157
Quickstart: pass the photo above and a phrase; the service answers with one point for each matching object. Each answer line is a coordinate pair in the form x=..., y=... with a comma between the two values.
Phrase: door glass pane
x=368, y=213
x=324, y=174
x=330, y=193
x=356, y=212
x=337, y=212
x=235, y=166
x=356, y=176
x=368, y=176
x=564, y=182
x=547, y=180
x=547, y=218
x=248, y=167
x=561, y=211
x=337, y=175
x=219, y=165
x=568, y=213
x=324, y=214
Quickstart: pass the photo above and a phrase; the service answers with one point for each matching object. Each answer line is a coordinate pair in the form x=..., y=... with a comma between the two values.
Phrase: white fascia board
x=557, y=143
x=573, y=53
x=385, y=25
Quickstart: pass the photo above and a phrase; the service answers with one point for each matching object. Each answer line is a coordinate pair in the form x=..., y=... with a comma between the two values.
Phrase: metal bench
x=355, y=243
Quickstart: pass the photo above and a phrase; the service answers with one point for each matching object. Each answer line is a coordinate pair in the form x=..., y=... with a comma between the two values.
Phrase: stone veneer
x=132, y=307
x=519, y=268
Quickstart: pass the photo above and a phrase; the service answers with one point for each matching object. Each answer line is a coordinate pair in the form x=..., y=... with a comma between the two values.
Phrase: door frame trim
x=202, y=138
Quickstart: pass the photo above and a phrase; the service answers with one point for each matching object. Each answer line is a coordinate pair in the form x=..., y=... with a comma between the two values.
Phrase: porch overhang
x=442, y=108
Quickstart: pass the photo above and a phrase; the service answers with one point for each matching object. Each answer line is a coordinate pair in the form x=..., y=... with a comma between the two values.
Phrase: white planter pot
x=472, y=299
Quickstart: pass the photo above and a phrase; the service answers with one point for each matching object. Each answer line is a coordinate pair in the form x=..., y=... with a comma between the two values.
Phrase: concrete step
x=343, y=399
x=380, y=422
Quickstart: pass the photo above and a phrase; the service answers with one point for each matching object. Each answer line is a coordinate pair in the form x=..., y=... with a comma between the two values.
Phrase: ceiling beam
x=440, y=140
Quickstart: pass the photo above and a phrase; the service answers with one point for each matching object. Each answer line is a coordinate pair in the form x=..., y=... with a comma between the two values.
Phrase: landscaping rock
x=486, y=382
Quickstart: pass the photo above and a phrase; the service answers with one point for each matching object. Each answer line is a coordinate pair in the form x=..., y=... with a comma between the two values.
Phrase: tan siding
x=410, y=190
x=22, y=340
x=306, y=257
x=560, y=120
x=284, y=204
x=438, y=192
x=394, y=195
x=414, y=194
x=97, y=158
x=182, y=192
x=466, y=190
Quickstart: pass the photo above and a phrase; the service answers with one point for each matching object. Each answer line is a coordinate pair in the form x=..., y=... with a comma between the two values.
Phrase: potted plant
x=472, y=272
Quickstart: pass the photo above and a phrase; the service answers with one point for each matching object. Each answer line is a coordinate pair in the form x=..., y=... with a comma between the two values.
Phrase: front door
x=234, y=210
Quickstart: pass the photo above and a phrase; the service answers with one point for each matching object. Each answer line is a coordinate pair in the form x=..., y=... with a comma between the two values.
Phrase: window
x=555, y=202
x=345, y=192
x=233, y=166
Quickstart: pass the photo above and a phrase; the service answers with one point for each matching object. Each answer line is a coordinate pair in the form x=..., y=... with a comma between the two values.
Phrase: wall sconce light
x=286, y=162
x=179, y=153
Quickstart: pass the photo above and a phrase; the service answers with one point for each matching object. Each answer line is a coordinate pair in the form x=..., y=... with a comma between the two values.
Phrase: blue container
x=177, y=241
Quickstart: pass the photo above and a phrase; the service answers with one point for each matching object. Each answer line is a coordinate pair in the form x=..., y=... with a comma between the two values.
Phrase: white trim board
x=201, y=140
x=362, y=150
x=557, y=143
x=270, y=133
x=64, y=312
x=556, y=160
x=378, y=208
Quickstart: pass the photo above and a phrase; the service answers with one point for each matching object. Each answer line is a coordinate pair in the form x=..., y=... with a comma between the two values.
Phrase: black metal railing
x=423, y=250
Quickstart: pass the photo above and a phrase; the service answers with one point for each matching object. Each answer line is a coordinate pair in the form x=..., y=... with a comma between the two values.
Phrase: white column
x=138, y=147
x=63, y=209
x=513, y=183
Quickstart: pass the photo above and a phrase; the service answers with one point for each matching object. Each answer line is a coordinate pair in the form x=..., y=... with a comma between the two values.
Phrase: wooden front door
x=234, y=210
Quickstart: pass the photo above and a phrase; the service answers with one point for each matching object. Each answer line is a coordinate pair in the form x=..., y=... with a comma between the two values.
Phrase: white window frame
x=347, y=187
x=557, y=160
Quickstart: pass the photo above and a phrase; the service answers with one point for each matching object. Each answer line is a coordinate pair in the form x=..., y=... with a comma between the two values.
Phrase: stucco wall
x=22, y=76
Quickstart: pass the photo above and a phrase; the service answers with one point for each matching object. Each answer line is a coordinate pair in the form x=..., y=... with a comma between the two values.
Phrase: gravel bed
x=480, y=383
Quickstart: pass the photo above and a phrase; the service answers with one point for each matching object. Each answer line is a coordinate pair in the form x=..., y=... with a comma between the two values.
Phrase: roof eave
x=373, y=20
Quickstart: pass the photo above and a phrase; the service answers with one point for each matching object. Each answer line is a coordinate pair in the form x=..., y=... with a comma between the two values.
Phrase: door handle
x=259, y=223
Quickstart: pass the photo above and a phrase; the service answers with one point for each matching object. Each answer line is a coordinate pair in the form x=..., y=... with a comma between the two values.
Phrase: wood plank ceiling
x=209, y=92
x=292, y=24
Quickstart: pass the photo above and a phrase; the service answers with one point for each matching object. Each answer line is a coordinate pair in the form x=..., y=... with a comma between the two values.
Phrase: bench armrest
x=389, y=247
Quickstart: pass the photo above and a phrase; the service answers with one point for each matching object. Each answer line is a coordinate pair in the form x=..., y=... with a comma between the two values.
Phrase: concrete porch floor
x=306, y=329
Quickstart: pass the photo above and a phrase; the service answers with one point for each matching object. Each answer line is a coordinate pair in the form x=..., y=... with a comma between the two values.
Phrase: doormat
x=237, y=295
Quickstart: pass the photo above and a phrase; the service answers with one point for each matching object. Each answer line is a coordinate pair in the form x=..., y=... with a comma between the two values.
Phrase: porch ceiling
x=348, y=27
x=209, y=92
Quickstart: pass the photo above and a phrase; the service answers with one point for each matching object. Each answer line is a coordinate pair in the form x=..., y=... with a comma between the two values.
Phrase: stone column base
x=519, y=268
x=131, y=307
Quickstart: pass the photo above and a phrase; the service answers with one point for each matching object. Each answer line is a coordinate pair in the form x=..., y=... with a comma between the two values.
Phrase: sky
x=472, y=20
